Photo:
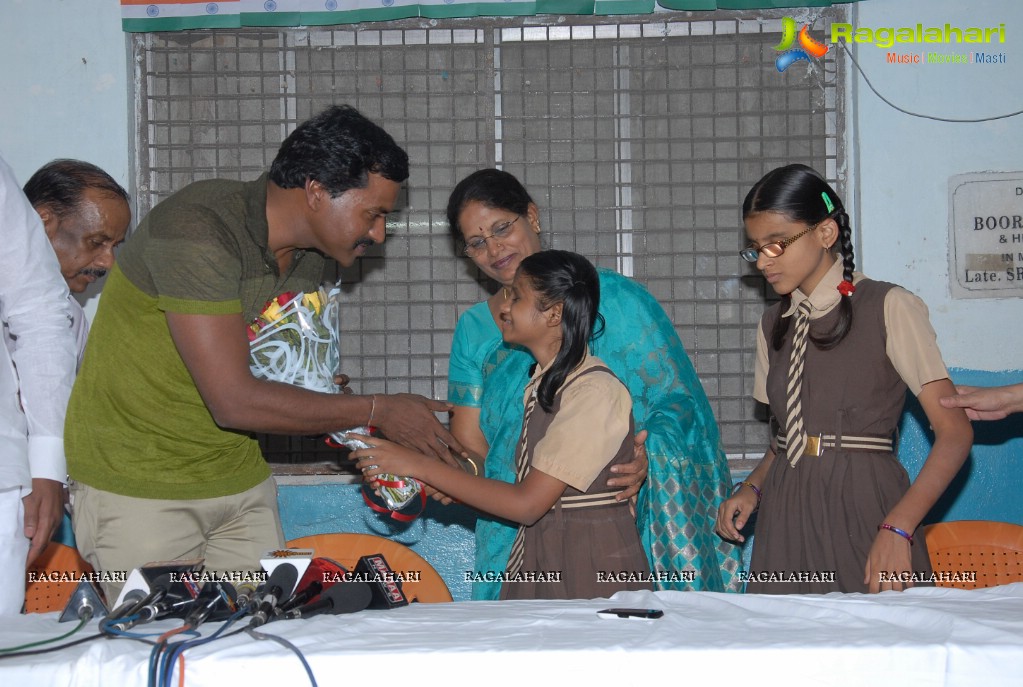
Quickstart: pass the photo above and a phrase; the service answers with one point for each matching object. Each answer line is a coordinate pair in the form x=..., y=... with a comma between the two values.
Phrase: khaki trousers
x=117, y=533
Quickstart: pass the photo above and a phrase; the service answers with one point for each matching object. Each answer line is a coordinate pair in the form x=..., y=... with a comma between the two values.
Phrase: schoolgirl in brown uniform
x=835, y=357
x=575, y=538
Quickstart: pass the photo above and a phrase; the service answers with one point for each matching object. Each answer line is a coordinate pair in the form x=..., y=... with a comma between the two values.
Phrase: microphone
x=214, y=597
x=144, y=577
x=133, y=601
x=384, y=582
x=85, y=603
x=321, y=574
x=170, y=605
x=158, y=590
x=248, y=593
x=278, y=588
x=347, y=597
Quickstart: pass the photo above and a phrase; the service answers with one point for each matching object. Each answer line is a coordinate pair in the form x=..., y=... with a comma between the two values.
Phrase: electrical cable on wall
x=917, y=114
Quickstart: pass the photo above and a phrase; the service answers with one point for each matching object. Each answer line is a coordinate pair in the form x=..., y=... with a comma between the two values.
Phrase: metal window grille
x=638, y=137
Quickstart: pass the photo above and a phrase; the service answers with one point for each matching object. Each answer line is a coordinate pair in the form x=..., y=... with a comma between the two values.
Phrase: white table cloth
x=917, y=638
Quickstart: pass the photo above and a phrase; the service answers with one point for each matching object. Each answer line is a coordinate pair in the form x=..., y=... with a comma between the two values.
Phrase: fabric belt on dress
x=606, y=498
x=816, y=443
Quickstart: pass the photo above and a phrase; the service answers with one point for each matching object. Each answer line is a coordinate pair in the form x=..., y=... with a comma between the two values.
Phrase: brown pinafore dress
x=595, y=548
x=818, y=520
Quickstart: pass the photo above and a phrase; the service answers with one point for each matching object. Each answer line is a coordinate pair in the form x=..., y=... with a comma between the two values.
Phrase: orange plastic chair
x=56, y=572
x=347, y=548
x=975, y=553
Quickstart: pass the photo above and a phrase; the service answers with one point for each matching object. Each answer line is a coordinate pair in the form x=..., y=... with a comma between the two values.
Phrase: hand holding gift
x=296, y=340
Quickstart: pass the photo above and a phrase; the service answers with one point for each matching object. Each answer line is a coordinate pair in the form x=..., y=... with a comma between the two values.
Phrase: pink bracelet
x=892, y=528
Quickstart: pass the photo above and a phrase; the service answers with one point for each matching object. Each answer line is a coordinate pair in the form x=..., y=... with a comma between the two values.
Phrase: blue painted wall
x=990, y=483
x=443, y=535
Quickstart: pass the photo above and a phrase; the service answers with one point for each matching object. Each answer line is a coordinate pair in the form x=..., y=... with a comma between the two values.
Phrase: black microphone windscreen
x=349, y=597
x=344, y=597
x=162, y=583
x=157, y=590
x=282, y=581
x=279, y=587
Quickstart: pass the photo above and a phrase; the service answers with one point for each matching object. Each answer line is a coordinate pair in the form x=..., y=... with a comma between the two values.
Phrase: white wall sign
x=986, y=235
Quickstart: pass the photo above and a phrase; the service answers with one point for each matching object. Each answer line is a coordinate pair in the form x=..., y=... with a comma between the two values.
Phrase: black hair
x=802, y=195
x=558, y=276
x=58, y=186
x=339, y=148
x=494, y=188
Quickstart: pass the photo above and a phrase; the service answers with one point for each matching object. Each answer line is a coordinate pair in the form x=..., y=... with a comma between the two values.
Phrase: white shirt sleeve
x=39, y=359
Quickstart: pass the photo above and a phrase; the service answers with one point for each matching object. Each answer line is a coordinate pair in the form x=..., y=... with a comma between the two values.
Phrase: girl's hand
x=385, y=457
x=888, y=563
x=734, y=513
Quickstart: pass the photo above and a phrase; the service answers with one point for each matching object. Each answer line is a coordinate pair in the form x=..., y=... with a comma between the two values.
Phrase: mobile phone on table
x=644, y=613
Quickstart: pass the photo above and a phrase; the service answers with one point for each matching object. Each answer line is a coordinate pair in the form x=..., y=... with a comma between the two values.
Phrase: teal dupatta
x=688, y=474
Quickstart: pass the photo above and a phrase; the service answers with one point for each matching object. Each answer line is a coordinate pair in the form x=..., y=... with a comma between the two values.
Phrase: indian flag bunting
x=177, y=15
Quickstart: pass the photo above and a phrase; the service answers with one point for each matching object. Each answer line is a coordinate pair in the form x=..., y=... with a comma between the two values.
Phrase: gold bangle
x=465, y=462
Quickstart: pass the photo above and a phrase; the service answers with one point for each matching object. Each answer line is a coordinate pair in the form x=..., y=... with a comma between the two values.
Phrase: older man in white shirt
x=36, y=372
x=86, y=215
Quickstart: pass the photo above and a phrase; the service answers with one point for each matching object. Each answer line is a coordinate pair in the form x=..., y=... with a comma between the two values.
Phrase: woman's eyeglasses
x=478, y=244
x=772, y=250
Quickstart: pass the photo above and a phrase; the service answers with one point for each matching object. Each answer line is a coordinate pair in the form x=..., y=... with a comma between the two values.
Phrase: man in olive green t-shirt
x=159, y=425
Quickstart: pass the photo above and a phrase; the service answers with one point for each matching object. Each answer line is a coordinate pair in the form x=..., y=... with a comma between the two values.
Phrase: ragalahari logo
x=808, y=47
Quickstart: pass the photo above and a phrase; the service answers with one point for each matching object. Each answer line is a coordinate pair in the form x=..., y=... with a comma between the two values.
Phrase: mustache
x=368, y=242
x=93, y=272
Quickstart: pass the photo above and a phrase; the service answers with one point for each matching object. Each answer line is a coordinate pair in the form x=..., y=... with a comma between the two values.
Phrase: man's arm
x=33, y=303
x=215, y=350
x=987, y=403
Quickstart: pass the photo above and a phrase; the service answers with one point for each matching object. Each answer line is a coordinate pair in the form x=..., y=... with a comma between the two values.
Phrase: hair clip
x=846, y=288
x=827, y=202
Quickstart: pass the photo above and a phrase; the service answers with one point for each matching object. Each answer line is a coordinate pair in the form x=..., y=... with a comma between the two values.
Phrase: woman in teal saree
x=687, y=476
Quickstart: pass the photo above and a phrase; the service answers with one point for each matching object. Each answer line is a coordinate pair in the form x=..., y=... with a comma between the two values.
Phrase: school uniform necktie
x=521, y=468
x=795, y=432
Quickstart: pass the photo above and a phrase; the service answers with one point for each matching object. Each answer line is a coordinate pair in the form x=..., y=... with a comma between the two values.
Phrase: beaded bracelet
x=747, y=483
x=892, y=528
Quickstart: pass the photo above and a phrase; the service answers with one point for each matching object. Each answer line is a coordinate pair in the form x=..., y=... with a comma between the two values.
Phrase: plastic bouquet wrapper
x=295, y=340
x=402, y=497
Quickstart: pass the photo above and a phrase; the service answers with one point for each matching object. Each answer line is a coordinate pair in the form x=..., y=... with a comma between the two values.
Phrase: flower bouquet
x=295, y=340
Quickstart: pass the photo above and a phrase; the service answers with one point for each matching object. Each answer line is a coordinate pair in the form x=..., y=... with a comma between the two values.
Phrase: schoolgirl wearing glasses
x=835, y=357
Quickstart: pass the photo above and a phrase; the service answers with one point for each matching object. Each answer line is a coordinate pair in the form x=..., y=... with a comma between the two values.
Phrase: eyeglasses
x=772, y=250
x=478, y=244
